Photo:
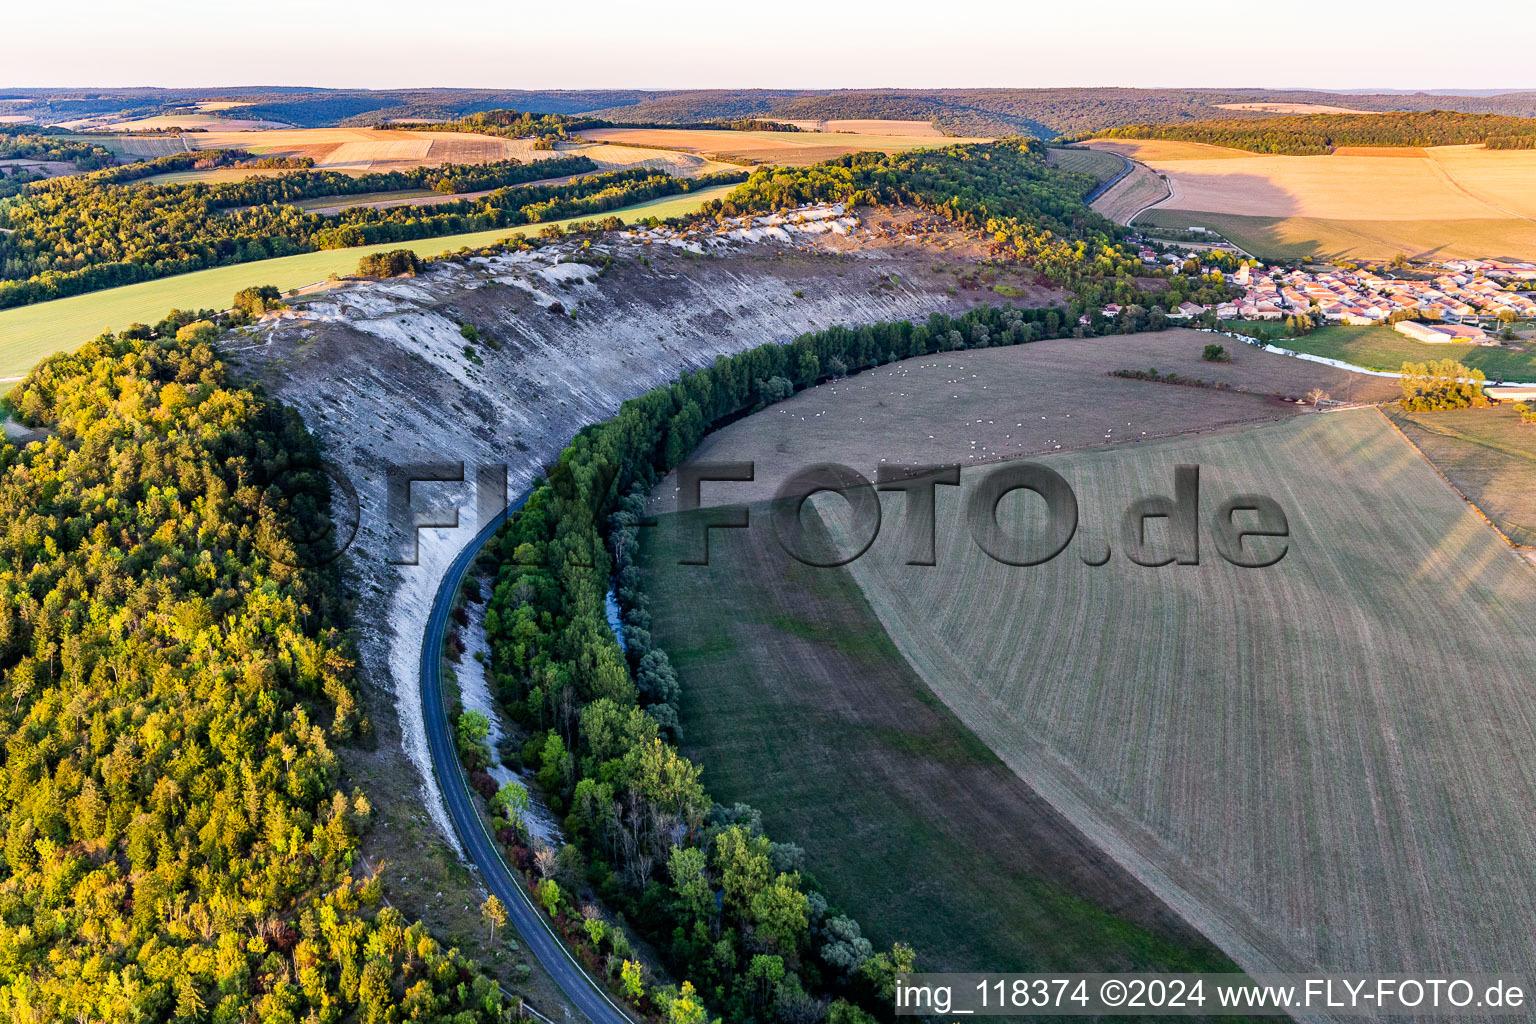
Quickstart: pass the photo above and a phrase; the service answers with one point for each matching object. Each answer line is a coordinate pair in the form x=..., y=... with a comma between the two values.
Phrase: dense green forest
x=177, y=845
x=731, y=911
x=78, y=234
x=1321, y=133
x=1032, y=211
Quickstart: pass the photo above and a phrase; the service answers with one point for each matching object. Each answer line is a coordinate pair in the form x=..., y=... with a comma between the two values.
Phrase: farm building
x=1441, y=334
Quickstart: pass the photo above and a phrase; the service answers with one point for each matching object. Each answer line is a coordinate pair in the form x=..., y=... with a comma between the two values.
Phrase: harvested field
x=1489, y=455
x=1389, y=152
x=1166, y=150
x=1096, y=162
x=795, y=148
x=914, y=826
x=137, y=147
x=208, y=121
x=872, y=126
x=1502, y=178
x=29, y=333
x=1321, y=765
x=1132, y=195
x=1438, y=202
x=977, y=407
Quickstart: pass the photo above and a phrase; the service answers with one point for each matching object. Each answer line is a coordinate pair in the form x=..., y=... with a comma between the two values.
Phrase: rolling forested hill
x=1044, y=113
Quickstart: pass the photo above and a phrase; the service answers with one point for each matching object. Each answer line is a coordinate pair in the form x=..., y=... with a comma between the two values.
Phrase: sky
x=808, y=44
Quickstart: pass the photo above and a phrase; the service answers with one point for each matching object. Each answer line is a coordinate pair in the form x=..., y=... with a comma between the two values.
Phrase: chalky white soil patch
x=384, y=375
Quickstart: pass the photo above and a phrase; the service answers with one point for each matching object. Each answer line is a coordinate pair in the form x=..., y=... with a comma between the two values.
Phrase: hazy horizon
x=474, y=44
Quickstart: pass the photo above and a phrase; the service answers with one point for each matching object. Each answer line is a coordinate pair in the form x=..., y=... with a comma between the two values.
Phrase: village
x=1458, y=300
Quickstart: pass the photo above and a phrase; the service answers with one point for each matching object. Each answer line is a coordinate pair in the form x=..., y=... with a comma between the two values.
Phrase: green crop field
x=1319, y=763
x=1489, y=454
x=30, y=333
x=1382, y=348
x=913, y=825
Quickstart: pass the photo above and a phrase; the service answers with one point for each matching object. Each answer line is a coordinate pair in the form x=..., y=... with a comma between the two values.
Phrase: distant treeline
x=1321, y=133
x=518, y=124
x=78, y=235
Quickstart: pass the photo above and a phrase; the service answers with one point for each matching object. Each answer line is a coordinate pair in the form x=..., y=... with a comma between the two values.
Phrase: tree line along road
x=584, y=992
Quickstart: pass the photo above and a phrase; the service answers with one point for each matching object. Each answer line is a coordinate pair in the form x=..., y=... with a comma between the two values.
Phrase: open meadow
x=29, y=333
x=1354, y=203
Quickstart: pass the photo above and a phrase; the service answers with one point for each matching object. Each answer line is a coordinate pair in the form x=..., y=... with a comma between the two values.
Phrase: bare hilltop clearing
x=1356, y=202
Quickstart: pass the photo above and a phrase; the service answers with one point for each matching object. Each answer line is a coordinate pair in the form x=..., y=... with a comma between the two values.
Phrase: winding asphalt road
x=530, y=920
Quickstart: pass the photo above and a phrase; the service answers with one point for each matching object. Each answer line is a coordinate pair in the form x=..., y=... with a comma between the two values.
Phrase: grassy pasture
x=1489, y=455
x=1381, y=348
x=1319, y=764
x=913, y=825
x=29, y=333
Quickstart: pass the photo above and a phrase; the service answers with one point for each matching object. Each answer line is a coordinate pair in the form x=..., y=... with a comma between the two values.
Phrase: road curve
x=529, y=920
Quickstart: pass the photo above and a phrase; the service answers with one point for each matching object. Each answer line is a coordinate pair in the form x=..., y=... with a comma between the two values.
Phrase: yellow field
x=871, y=126
x=1449, y=200
x=1159, y=151
x=793, y=148
x=29, y=333
x=136, y=147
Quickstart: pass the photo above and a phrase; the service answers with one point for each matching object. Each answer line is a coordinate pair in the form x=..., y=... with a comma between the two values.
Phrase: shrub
x=1216, y=354
x=1442, y=384
x=198, y=332
x=388, y=264
x=257, y=300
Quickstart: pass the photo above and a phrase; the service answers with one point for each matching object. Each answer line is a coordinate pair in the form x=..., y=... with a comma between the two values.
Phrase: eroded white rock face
x=385, y=376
